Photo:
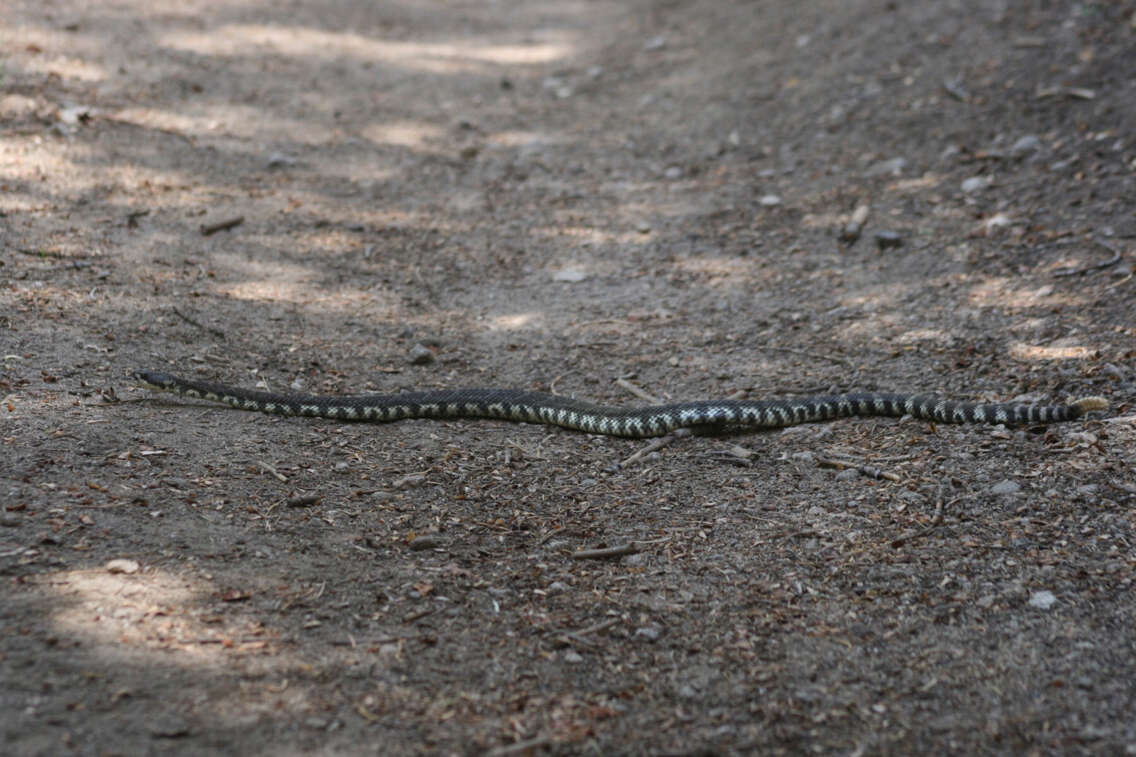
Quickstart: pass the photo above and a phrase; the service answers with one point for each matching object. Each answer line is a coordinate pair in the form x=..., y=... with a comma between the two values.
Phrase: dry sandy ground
x=558, y=196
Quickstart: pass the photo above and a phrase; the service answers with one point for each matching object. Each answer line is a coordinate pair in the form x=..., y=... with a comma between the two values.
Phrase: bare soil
x=557, y=196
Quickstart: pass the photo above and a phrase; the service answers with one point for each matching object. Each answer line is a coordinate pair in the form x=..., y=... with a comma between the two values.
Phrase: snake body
x=641, y=422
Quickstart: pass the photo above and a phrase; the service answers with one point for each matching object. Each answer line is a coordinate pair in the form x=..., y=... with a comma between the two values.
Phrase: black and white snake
x=653, y=420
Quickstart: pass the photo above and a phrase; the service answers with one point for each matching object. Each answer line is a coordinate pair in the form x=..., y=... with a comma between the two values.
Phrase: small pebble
x=912, y=498
x=570, y=276
x=426, y=541
x=769, y=201
x=975, y=184
x=411, y=479
x=892, y=167
x=1042, y=600
x=280, y=160
x=1006, y=487
x=848, y=474
x=420, y=354
x=122, y=566
x=167, y=727
x=886, y=240
x=75, y=114
x=1112, y=370
x=648, y=633
x=997, y=221
x=1024, y=145
x=16, y=106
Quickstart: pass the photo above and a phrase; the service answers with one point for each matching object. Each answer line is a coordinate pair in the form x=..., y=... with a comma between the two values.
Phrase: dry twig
x=640, y=393
x=866, y=470
x=269, y=469
x=577, y=637
x=215, y=332
x=1095, y=266
x=630, y=548
x=654, y=446
x=851, y=231
x=228, y=223
x=936, y=519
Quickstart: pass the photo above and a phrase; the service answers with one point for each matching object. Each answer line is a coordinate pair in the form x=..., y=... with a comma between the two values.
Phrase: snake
x=639, y=422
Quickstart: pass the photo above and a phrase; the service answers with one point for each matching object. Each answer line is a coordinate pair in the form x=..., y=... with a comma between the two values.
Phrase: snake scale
x=641, y=422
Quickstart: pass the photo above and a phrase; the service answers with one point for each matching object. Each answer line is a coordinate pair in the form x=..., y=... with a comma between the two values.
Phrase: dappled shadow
x=553, y=196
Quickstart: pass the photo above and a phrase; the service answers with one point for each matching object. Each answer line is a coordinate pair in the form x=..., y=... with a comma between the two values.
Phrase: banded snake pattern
x=653, y=420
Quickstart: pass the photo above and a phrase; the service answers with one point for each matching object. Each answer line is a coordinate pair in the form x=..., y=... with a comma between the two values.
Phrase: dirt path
x=556, y=196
